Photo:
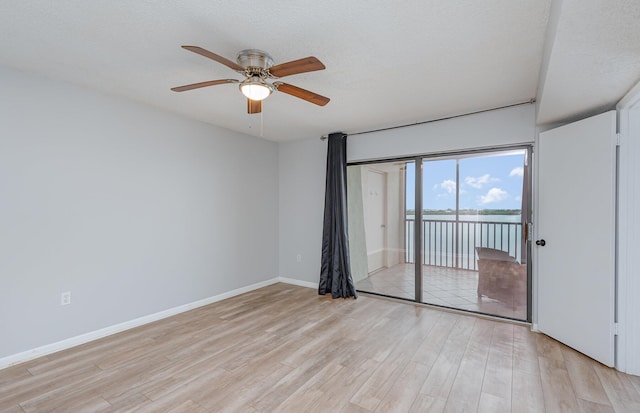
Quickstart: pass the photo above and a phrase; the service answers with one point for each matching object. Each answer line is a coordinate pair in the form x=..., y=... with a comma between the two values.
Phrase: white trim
x=628, y=341
x=117, y=328
x=137, y=322
x=533, y=170
x=299, y=283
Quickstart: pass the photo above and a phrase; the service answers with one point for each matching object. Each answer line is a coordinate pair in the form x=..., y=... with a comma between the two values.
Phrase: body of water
x=444, y=246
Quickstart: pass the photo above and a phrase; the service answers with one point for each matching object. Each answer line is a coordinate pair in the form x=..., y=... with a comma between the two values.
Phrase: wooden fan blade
x=254, y=106
x=217, y=58
x=203, y=84
x=301, y=93
x=307, y=64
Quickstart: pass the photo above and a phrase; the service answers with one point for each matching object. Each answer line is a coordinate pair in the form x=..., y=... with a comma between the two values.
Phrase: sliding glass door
x=376, y=204
x=474, y=249
x=449, y=233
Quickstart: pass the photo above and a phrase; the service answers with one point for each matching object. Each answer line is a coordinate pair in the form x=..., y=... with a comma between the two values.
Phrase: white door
x=375, y=228
x=576, y=200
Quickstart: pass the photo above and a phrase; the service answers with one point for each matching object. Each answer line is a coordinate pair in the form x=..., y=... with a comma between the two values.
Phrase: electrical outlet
x=299, y=257
x=65, y=298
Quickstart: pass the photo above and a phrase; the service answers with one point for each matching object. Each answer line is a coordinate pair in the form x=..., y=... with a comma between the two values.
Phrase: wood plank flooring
x=283, y=348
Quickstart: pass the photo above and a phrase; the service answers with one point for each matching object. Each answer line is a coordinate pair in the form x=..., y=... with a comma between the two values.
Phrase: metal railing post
x=426, y=230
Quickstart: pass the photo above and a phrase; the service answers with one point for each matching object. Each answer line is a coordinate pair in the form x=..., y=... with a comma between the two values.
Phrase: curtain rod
x=529, y=102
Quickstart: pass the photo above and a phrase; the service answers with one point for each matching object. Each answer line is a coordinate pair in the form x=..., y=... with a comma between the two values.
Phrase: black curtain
x=335, y=272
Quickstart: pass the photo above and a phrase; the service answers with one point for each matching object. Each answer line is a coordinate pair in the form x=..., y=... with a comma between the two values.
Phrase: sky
x=486, y=182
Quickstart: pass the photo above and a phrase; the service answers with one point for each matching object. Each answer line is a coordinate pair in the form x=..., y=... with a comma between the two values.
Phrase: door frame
x=384, y=212
x=628, y=284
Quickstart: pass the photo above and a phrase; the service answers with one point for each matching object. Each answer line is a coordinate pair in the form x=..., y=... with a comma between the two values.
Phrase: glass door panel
x=439, y=202
x=377, y=206
x=474, y=209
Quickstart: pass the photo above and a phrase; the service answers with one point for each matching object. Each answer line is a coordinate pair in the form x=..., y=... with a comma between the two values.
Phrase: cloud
x=494, y=195
x=480, y=181
x=519, y=171
x=448, y=185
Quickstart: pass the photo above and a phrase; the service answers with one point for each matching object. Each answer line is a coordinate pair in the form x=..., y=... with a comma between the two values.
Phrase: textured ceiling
x=388, y=63
x=594, y=59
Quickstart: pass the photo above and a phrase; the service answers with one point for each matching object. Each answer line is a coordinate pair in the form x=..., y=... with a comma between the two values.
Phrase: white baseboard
x=299, y=283
x=107, y=331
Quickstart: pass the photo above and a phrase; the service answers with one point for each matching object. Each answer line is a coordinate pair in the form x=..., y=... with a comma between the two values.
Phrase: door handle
x=541, y=242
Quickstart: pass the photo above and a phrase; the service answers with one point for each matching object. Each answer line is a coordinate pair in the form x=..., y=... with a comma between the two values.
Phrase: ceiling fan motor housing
x=253, y=58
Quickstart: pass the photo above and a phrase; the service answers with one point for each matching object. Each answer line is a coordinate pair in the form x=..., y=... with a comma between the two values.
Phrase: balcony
x=450, y=273
x=452, y=244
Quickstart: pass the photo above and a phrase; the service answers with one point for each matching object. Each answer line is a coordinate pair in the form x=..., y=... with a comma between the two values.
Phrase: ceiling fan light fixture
x=255, y=88
x=257, y=66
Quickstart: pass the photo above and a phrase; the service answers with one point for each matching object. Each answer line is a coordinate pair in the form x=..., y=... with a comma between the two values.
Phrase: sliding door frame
x=418, y=161
x=417, y=230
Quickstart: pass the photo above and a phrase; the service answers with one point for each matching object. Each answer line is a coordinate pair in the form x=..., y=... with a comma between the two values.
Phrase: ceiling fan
x=257, y=66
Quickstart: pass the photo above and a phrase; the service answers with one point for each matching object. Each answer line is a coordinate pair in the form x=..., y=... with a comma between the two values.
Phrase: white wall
x=302, y=167
x=132, y=209
x=495, y=128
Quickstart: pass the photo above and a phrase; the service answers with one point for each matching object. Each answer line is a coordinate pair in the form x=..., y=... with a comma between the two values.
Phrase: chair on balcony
x=501, y=277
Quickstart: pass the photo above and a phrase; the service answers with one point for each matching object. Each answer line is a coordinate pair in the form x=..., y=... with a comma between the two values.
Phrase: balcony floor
x=449, y=287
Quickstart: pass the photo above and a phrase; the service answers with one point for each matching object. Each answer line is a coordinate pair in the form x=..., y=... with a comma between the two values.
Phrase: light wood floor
x=285, y=349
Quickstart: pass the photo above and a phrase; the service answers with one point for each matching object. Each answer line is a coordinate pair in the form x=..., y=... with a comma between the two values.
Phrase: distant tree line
x=467, y=212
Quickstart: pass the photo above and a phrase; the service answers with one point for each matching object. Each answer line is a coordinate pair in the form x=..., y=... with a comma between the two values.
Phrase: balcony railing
x=447, y=243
